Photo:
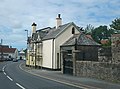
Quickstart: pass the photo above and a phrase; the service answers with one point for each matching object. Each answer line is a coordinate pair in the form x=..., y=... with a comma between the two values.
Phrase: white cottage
x=44, y=50
x=7, y=52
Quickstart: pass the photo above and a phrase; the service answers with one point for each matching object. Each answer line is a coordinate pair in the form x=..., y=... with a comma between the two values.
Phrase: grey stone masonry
x=99, y=70
x=115, y=39
x=104, y=54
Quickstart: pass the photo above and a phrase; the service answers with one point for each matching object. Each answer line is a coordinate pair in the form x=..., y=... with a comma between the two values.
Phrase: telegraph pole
x=27, y=53
x=1, y=50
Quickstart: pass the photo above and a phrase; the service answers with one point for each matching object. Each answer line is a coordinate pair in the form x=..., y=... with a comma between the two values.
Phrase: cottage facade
x=44, y=45
x=7, y=52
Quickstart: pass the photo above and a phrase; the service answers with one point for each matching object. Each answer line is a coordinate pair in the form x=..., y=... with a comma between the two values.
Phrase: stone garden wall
x=100, y=70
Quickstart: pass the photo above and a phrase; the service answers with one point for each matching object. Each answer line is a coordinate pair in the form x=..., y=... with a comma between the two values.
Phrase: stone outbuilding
x=78, y=48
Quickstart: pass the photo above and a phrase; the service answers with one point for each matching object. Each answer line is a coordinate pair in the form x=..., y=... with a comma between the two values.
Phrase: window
x=73, y=30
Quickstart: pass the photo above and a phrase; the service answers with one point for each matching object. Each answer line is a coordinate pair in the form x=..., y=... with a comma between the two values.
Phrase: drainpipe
x=35, y=55
x=74, y=57
x=41, y=54
x=52, y=53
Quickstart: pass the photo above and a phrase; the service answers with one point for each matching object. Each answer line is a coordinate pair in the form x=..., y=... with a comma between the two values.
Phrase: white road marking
x=57, y=80
x=9, y=78
x=20, y=85
x=4, y=73
x=3, y=69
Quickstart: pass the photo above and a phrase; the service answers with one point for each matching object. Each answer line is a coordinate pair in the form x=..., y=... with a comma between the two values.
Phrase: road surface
x=12, y=77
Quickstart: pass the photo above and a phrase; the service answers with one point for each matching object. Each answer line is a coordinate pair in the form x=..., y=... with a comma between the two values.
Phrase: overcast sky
x=18, y=15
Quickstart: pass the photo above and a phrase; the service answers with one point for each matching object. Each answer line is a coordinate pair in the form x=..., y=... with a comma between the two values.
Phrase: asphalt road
x=12, y=77
x=5, y=83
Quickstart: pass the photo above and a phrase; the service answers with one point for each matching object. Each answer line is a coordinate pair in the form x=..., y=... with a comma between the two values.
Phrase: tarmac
x=80, y=82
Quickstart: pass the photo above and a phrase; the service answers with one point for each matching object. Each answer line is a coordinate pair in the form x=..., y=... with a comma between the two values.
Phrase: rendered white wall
x=62, y=38
x=47, y=53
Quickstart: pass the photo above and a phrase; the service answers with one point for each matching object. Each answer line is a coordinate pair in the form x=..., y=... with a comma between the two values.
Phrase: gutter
x=52, y=54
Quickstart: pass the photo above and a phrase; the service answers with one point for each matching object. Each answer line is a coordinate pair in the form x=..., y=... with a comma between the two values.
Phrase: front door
x=67, y=63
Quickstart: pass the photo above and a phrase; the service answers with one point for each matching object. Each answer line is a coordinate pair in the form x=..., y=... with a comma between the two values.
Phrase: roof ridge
x=43, y=29
x=82, y=39
x=56, y=31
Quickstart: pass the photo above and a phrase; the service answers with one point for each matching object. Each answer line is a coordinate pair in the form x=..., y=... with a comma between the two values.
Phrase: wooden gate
x=68, y=63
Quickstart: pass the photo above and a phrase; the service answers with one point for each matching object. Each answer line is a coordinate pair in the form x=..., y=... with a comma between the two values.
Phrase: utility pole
x=35, y=55
x=27, y=55
x=1, y=50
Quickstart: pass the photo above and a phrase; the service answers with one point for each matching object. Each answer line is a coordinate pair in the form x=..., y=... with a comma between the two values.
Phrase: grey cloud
x=19, y=14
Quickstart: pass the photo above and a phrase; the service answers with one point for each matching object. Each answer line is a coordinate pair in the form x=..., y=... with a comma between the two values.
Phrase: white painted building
x=44, y=45
x=7, y=52
x=21, y=55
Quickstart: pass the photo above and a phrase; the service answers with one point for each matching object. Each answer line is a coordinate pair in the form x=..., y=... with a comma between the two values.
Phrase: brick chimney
x=34, y=28
x=58, y=21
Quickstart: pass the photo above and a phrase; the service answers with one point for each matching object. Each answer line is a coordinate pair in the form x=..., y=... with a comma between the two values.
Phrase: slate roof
x=40, y=34
x=54, y=32
x=7, y=50
x=50, y=33
x=82, y=39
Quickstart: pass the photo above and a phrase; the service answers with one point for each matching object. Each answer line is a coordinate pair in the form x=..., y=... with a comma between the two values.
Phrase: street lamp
x=27, y=47
x=27, y=34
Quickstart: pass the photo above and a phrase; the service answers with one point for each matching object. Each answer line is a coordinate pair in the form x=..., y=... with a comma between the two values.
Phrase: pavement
x=80, y=82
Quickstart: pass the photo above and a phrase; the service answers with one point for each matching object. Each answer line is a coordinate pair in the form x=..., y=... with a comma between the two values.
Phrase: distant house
x=8, y=52
x=104, y=41
x=44, y=44
x=21, y=55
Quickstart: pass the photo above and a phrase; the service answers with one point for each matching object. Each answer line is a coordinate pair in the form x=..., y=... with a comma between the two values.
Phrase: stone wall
x=87, y=53
x=104, y=54
x=115, y=39
x=100, y=70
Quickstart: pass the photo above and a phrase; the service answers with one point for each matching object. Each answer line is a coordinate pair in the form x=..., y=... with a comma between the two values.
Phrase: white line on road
x=3, y=69
x=58, y=80
x=83, y=86
x=4, y=73
x=20, y=85
x=9, y=78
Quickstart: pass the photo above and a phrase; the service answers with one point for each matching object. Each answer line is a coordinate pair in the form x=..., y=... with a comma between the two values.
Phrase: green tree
x=101, y=32
x=25, y=50
x=88, y=29
x=115, y=24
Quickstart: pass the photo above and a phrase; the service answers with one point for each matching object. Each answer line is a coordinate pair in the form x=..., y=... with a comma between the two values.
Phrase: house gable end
x=54, y=33
x=68, y=27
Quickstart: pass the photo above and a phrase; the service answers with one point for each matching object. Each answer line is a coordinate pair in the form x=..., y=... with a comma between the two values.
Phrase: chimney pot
x=58, y=15
x=34, y=28
x=34, y=24
x=58, y=21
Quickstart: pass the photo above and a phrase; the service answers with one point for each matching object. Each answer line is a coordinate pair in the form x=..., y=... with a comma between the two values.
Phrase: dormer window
x=73, y=30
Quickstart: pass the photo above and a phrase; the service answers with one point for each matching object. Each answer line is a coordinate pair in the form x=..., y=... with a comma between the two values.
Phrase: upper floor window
x=73, y=30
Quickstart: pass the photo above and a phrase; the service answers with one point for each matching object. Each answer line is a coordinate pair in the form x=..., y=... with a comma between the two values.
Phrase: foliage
x=25, y=50
x=115, y=24
x=108, y=44
x=101, y=32
x=88, y=30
